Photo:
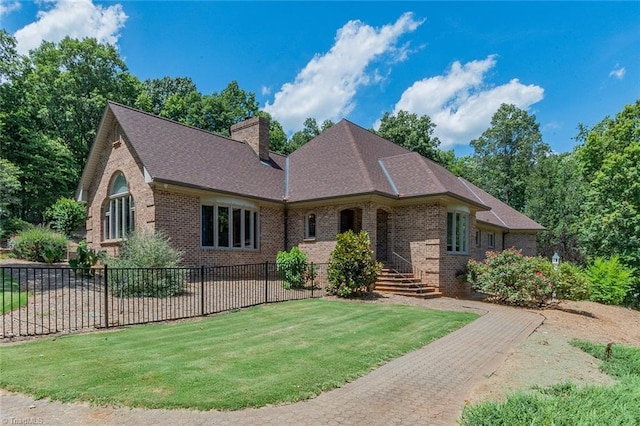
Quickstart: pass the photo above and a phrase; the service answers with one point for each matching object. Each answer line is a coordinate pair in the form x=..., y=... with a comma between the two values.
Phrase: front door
x=382, y=235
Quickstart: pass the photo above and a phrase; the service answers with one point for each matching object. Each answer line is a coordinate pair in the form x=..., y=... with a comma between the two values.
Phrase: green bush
x=610, y=280
x=66, y=215
x=511, y=278
x=11, y=226
x=571, y=282
x=352, y=268
x=632, y=299
x=39, y=244
x=145, y=267
x=293, y=267
x=86, y=259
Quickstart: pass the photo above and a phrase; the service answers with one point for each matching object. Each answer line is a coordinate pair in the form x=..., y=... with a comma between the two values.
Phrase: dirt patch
x=546, y=357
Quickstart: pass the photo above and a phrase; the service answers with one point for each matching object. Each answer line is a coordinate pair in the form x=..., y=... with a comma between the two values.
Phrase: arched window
x=119, y=210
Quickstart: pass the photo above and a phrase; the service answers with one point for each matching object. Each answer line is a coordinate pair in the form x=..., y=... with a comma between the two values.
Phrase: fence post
x=106, y=296
x=201, y=289
x=313, y=268
x=266, y=281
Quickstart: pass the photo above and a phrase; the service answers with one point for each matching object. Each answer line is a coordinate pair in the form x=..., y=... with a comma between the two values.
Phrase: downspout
x=286, y=207
x=286, y=226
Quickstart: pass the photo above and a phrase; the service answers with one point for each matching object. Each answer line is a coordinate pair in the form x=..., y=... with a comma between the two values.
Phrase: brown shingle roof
x=415, y=175
x=342, y=160
x=501, y=214
x=173, y=152
x=348, y=160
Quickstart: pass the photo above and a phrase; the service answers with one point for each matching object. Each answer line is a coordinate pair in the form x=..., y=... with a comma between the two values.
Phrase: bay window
x=229, y=227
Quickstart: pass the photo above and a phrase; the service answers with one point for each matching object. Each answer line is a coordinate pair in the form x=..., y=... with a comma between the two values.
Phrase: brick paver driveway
x=425, y=387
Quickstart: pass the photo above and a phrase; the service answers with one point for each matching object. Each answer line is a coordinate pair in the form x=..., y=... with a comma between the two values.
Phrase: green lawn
x=12, y=297
x=565, y=404
x=263, y=355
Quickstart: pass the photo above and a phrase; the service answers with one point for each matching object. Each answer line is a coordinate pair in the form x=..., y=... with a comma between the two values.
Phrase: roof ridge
x=356, y=147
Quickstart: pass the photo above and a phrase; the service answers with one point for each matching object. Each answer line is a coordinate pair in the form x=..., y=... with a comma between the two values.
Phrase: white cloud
x=265, y=90
x=325, y=88
x=6, y=7
x=618, y=72
x=73, y=18
x=461, y=104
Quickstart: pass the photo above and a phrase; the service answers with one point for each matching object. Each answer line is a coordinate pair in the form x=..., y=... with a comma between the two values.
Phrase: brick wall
x=522, y=241
x=179, y=216
x=481, y=251
x=117, y=157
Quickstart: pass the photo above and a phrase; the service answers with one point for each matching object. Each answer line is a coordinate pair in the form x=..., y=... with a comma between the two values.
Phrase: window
x=491, y=240
x=119, y=211
x=478, y=238
x=310, y=227
x=233, y=227
x=457, y=231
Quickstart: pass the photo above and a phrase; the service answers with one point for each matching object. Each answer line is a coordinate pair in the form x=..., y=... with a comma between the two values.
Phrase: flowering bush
x=511, y=278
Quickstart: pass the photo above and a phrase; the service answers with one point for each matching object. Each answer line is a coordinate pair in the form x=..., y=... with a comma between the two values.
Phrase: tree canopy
x=506, y=154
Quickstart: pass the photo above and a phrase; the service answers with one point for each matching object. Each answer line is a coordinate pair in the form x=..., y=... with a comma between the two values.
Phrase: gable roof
x=501, y=214
x=172, y=152
x=344, y=160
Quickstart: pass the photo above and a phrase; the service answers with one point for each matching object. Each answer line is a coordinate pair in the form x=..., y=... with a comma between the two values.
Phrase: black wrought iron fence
x=45, y=300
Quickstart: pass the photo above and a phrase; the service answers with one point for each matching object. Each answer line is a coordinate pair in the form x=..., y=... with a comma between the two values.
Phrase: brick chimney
x=255, y=132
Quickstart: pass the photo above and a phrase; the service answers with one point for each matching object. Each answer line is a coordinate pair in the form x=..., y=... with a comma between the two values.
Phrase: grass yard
x=12, y=297
x=263, y=355
x=565, y=404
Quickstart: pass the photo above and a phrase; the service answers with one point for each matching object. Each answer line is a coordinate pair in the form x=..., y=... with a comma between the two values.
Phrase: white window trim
x=463, y=237
x=112, y=229
x=244, y=207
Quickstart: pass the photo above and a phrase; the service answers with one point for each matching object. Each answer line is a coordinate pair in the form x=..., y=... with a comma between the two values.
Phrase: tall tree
x=555, y=199
x=412, y=132
x=506, y=154
x=50, y=105
x=156, y=91
x=610, y=160
x=69, y=85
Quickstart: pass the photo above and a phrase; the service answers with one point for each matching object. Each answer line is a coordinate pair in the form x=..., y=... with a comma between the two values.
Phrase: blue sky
x=564, y=62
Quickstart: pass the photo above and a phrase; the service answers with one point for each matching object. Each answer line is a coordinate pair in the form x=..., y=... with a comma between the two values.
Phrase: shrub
x=66, y=215
x=509, y=277
x=632, y=299
x=86, y=259
x=610, y=280
x=39, y=244
x=571, y=282
x=352, y=268
x=293, y=267
x=144, y=267
x=11, y=226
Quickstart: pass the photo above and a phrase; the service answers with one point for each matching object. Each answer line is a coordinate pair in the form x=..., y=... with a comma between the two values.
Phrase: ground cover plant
x=566, y=404
x=263, y=355
x=12, y=297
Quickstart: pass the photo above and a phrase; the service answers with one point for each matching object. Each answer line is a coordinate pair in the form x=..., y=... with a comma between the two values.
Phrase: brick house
x=231, y=201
